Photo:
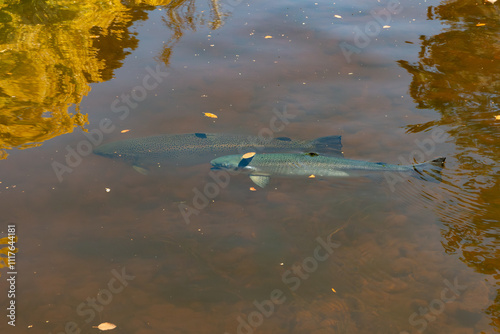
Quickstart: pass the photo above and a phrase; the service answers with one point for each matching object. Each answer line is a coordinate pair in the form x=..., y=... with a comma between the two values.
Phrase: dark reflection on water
x=458, y=75
x=189, y=15
x=420, y=258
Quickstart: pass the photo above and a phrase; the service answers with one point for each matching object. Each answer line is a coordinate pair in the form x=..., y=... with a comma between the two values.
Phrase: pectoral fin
x=140, y=169
x=260, y=180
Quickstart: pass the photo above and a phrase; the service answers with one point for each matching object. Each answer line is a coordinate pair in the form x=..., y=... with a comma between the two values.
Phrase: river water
x=177, y=251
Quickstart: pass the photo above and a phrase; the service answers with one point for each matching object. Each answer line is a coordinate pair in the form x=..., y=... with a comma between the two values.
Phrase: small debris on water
x=248, y=155
x=105, y=326
x=209, y=114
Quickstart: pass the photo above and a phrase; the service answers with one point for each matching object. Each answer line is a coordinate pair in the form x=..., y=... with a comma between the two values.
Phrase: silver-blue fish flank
x=261, y=167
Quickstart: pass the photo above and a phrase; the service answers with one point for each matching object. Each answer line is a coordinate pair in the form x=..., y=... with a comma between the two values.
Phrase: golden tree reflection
x=458, y=75
x=51, y=51
x=7, y=248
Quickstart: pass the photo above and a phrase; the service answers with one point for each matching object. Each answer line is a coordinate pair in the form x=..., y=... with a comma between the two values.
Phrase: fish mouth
x=223, y=167
x=105, y=151
x=106, y=154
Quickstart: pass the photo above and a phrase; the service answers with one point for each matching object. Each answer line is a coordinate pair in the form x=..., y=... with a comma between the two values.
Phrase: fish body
x=183, y=149
x=261, y=167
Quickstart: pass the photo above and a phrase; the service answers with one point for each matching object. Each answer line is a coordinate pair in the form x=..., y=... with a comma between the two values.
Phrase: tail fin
x=430, y=170
x=331, y=145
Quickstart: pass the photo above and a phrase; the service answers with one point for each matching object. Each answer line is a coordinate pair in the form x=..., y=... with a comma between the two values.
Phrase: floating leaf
x=105, y=326
x=126, y=130
x=334, y=290
x=480, y=24
x=253, y=189
x=338, y=16
x=248, y=155
x=208, y=114
x=312, y=176
x=268, y=36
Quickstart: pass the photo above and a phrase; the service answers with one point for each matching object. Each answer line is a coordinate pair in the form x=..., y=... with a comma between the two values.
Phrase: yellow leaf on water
x=105, y=326
x=253, y=189
x=312, y=176
x=497, y=117
x=209, y=114
x=123, y=131
x=248, y=155
x=338, y=16
x=334, y=290
x=480, y=24
x=268, y=36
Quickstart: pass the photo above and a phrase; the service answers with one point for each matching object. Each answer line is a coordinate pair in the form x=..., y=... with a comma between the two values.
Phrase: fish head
x=110, y=150
x=233, y=162
x=227, y=162
x=115, y=150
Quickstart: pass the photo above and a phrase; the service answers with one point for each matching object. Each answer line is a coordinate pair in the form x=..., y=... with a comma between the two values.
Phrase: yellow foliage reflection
x=51, y=51
x=6, y=251
x=458, y=75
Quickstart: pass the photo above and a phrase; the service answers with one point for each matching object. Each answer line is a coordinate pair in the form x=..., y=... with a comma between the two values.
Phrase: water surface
x=407, y=256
